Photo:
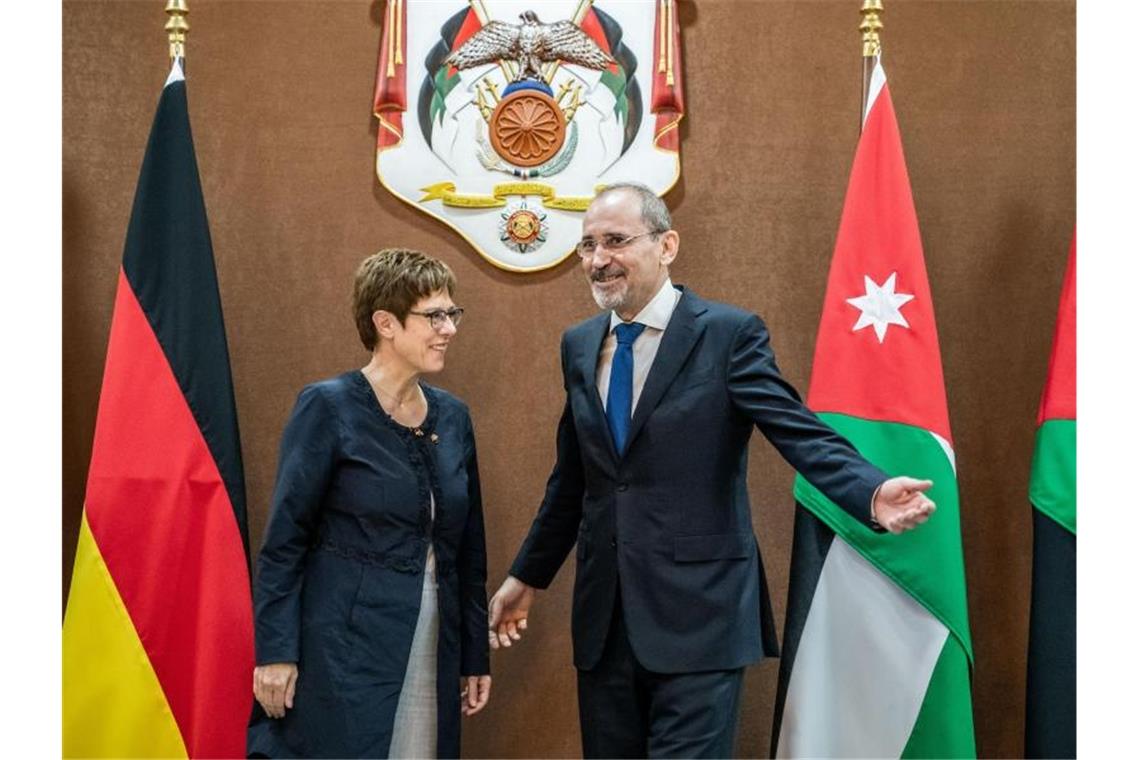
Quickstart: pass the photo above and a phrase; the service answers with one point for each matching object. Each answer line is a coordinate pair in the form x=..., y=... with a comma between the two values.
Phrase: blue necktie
x=619, y=401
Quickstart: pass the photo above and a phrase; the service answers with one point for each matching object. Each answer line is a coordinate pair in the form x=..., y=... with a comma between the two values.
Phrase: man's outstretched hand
x=508, y=612
x=901, y=504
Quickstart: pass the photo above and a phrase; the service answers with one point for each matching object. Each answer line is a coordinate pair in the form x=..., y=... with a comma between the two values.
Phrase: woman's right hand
x=274, y=685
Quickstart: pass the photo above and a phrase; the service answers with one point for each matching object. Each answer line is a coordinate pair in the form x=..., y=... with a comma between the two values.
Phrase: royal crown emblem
x=514, y=126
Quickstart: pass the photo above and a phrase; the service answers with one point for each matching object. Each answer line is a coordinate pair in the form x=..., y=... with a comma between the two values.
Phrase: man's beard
x=609, y=298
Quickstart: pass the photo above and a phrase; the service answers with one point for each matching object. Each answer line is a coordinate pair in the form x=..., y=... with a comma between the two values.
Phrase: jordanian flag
x=1051, y=699
x=877, y=654
x=158, y=633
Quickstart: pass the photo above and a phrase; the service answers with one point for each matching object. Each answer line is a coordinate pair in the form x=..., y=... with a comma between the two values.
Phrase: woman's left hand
x=474, y=691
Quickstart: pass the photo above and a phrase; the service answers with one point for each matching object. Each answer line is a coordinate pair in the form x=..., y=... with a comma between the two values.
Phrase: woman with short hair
x=370, y=600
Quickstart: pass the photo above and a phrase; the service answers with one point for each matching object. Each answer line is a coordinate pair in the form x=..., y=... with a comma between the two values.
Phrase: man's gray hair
x=654, y=212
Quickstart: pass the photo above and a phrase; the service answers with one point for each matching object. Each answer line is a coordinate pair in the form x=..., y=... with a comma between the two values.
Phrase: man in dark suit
x=662, y=392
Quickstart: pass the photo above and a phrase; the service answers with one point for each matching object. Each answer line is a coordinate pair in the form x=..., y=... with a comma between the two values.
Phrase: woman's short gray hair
x=654, y=212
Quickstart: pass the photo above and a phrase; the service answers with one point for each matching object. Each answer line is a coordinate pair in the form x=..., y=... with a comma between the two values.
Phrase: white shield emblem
x=503, y=124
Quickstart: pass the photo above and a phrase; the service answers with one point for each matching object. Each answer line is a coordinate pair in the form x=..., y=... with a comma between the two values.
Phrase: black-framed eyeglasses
x=439, y=317
x=613, y=241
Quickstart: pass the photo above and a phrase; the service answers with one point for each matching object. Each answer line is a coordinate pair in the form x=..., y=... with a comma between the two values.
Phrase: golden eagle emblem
x=530, y=44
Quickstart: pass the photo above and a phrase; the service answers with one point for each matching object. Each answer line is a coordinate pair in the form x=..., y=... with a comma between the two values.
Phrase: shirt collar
x=657, y=312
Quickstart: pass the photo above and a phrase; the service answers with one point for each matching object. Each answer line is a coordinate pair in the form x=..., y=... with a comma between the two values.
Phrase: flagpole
x=871, y=25
x=176, y=28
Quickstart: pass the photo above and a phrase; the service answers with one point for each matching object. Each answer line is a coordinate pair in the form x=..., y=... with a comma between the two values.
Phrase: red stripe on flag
x=898, y=379
x=469, y=27
x=593, y=27
x=162, y=519
x=1059, y=401
x=466, y=30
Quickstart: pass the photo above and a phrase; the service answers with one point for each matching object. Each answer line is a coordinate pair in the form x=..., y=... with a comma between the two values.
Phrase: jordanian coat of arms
x=501, y=118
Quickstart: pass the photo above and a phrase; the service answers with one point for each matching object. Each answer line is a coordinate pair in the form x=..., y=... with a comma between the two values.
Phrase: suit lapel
x=676, y=344
x=587, y=364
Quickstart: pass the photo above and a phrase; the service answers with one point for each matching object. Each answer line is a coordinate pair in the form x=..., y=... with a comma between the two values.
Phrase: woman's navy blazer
x=340, y=574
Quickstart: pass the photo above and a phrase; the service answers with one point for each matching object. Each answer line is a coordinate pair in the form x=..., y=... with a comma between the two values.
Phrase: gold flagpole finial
x=871, y=27
x=177, y=27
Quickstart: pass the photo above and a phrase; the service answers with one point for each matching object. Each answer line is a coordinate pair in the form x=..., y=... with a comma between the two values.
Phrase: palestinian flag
x=441, y=79
x=877, y=643
x=619, y=77
x=1051, y=684
x=158, y=633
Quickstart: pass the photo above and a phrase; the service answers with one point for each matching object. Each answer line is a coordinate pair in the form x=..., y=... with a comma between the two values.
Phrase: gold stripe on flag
x=113, y=704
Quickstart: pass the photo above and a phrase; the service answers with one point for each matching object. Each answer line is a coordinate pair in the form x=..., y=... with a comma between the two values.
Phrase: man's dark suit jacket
x=670, y=517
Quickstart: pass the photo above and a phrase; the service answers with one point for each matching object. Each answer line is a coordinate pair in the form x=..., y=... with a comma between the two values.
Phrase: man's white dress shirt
x=655, y=316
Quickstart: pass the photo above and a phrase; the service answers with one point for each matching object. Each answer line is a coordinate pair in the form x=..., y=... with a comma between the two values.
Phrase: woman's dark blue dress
x=340, y=573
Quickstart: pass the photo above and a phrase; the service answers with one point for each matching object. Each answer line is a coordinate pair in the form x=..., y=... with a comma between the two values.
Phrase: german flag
x=158, y=632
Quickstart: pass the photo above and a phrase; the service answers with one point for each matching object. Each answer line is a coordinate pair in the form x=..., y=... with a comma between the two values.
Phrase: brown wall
x=280, y=96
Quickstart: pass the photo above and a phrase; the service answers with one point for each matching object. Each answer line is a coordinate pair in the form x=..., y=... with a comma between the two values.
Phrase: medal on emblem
x=522, y=229
x=516, y=125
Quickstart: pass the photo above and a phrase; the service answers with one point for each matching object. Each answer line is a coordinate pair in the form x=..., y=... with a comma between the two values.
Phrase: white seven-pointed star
x=880, y=306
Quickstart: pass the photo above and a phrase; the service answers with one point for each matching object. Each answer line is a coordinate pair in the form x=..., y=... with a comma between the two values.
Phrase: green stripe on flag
x=616, y=84
x=444, y=84
x=926, y=562
x=1053, y=478
x=945, y=725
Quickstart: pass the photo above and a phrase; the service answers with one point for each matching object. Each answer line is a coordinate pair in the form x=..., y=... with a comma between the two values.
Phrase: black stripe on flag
x=169, y=261
x=811, y=540
x=628, y=61
x=1051, y=683
x=447, y=33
